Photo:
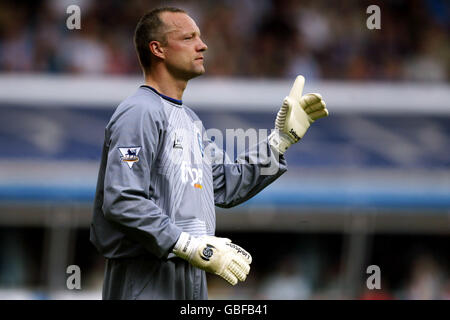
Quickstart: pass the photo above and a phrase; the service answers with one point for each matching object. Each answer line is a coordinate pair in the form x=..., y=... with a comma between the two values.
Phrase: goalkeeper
x=154, y=218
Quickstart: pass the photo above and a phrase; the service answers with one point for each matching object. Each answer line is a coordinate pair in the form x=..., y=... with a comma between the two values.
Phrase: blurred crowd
x=311, y=267
x=246, y=38
x=293, y=278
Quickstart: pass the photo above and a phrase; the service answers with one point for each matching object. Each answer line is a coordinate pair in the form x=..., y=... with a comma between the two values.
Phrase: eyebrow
x=192, y=33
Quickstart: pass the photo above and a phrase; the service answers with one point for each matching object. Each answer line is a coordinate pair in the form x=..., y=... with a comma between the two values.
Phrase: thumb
x=297, y=88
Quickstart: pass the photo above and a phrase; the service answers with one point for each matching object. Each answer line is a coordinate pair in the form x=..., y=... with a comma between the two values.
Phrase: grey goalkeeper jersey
x=160, y=175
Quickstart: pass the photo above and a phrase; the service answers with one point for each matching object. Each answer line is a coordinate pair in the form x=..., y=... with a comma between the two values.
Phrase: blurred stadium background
x=370, y=185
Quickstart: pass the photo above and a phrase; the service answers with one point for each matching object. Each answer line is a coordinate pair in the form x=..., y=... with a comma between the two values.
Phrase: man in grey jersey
x=159, y=179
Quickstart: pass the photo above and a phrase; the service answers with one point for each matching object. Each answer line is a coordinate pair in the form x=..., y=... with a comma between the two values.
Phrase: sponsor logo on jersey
x=192, y=175
x=129, y=155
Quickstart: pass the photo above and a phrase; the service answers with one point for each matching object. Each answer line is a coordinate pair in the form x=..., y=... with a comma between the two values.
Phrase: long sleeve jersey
x=157, y=178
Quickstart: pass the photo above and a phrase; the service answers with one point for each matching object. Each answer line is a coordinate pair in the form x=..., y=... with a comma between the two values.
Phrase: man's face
x=184, y=48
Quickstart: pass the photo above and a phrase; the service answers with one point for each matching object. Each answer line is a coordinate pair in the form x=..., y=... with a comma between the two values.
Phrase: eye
x=188, y=37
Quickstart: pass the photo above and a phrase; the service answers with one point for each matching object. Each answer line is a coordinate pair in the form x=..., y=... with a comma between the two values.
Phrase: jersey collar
x=179, y=102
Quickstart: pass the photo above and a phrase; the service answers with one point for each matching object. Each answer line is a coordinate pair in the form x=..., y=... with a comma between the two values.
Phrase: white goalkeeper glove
x=215, y=255
x=295, y=116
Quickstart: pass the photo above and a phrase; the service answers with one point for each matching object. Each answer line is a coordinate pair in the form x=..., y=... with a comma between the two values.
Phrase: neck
x=166, y=84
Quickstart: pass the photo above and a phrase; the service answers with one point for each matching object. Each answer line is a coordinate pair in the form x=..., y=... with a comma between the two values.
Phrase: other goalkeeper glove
x=215, y=255
x=295, y=116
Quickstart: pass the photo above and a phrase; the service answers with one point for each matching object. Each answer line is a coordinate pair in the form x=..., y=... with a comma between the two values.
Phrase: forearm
x=141, y=220
x=235, y=183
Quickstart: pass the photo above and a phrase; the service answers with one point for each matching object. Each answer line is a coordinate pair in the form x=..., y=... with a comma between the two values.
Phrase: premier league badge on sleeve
x=129, y=155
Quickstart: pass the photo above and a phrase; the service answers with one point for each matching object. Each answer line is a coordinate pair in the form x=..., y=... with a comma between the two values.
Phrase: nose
x=202, y=46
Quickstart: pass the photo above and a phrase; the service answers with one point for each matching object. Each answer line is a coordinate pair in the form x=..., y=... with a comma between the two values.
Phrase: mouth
x=200, y=58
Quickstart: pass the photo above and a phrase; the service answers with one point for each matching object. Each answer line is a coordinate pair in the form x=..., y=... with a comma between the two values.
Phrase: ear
x=156, y=49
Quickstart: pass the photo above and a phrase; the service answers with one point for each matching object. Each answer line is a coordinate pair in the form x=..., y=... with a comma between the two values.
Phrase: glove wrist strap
x=186, y=246
x=280, y=141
